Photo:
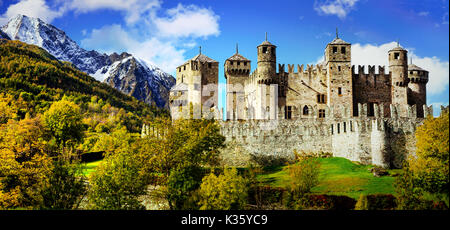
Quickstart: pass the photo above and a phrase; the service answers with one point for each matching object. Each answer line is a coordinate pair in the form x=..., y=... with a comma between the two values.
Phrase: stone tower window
x=245, y=63
x=209, y=65
x=184, y=67
x=264, y=50
x=321, y=98
x=343, y=50
x=288, y=112
x=321, y=113
x=334, y=49
x=396, y=55
x=345, y=127
x=239, y=63
x=339, y=68
x=371, y=111
x=332, y=131
x=340, y=91
x=305, y=110
x=339, y=128
x=231, y=62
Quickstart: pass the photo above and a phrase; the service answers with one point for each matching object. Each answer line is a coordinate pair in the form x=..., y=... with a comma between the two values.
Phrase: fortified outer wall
x=380, y=140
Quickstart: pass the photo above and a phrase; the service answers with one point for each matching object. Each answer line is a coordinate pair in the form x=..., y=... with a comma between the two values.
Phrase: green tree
x=181, y=184
x=118, y=183
x=224, y=192
x=182, y=142
x=65, y=188
x=64, y=121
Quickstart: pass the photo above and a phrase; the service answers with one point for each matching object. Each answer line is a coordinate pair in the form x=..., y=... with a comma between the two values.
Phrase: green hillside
x=34, y=79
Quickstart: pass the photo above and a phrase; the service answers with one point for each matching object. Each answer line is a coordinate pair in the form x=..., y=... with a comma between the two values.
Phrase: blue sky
x=167, y=33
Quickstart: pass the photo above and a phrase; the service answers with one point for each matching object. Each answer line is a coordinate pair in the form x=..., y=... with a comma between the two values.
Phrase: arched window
x=305, y=110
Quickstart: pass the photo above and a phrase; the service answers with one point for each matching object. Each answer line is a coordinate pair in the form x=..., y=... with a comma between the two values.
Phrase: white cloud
x=184, y=21
x=114, y=38
x=378, y=55
x=32, y=8
x=134, y=9
x=165, y=45
x=339, y=8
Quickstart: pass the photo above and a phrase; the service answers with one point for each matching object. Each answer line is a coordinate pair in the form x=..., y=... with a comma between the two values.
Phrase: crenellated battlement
x=370, y=70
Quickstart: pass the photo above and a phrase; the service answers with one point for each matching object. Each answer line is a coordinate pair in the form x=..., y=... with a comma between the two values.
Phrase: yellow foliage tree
x=224, y=192
x=24, y=166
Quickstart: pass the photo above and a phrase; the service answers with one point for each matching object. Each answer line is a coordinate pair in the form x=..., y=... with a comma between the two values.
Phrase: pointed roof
x=414, y=67
x=397, y=48
x=203, y=58
x=237, y=57
x=338, y=41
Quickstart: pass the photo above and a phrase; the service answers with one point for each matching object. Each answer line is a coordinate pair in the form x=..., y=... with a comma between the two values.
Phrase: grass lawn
x=338, y=176
x=88, y=168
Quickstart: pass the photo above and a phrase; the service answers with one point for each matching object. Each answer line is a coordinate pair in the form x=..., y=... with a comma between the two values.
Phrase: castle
x=368, y=117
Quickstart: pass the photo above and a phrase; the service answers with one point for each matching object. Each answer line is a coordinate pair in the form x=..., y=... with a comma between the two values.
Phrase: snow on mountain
x=126, y=73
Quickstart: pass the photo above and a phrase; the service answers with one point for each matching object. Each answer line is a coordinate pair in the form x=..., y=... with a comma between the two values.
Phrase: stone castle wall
x=380, y=140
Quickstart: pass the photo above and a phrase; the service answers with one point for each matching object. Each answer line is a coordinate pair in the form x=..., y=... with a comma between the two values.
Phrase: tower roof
x=266, y=43
x=237, y=57
x=397, y=48
x=203, y=58
x=338, y=41
x=414, y=67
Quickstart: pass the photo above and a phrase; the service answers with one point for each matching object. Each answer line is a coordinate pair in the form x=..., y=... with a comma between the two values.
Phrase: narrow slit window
x=343, y=50
x=334, y=49
x=340, y=91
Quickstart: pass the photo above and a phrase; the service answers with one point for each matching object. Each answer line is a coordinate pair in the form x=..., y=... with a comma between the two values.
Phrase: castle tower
x=237, y=70
x=418, y=79
x=197, y=84
x=398, y=69
x=267, y=60
x=339, y=74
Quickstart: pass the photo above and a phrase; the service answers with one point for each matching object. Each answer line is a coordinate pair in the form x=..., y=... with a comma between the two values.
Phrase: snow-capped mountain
x=137, y=78
x=124, y=72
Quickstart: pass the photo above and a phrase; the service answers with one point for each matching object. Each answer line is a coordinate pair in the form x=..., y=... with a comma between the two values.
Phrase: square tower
x=339, y=75
x=196, y=87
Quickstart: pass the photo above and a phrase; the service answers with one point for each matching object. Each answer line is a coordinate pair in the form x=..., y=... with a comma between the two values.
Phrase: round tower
x=398, y=68
x=267, y=60
x=418, y=79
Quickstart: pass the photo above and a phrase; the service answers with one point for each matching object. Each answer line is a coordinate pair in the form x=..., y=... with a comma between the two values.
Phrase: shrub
x=266, y=195
x=224, y=192
x=181, y=183
x=304, y=174
x=376, y=202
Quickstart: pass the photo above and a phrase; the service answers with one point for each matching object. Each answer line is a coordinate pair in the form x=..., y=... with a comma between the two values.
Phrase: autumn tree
x=182, y=143
x=64, y=121
x=65, y=188
x=24, y=166
x=118, y=183
x=227, y=191
x=425, y=179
